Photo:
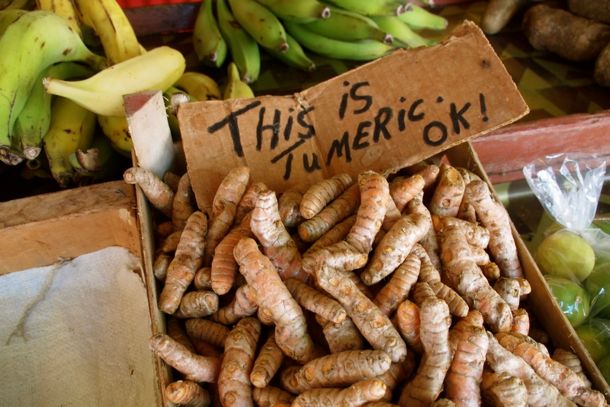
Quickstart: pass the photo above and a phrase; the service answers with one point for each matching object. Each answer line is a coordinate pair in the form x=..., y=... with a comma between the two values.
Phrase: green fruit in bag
x=565, y=254
x=598, y=286
x=595, y=336
x=571, y=297
x=604, y=368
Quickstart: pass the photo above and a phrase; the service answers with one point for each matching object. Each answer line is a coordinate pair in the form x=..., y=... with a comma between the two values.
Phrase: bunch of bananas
x=359, y=30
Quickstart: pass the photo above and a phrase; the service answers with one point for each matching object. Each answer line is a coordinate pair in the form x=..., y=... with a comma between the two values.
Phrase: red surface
x=146, y=3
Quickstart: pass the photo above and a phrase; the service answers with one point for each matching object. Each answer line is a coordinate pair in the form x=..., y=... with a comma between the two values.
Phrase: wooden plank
x=505, y=152
x=39, y=230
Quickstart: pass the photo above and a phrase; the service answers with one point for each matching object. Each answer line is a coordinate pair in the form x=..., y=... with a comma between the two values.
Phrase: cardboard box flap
x=383, y=115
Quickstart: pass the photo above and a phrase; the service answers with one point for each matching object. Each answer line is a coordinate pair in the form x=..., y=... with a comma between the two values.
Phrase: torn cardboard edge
x=382, y=116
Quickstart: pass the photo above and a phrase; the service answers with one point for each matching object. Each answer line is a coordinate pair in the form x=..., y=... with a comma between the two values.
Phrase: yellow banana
x=199, y=86
x=236, y=88
x=14, y=4
x=63, y=8
x=72, y=128
x=103, y=92
x=116, y=130
x=113, y=28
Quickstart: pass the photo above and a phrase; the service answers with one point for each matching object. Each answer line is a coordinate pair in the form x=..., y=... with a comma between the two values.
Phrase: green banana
x=402, y=33
x=31, y=43
x=347, y=25
x=236, y=88
x=103, y=92
x=173, y=98
x=302, y=11
x=419, y=18
x=295, y=56
x=244, y=49
x=363, y=50
x=72, y=128
x=35, y=117
x=8, y=17
x=208, y=42
x=260, y=23
x=371, y=7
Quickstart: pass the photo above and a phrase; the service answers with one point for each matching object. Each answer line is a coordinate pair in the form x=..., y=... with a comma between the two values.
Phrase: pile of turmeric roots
x=376, y=291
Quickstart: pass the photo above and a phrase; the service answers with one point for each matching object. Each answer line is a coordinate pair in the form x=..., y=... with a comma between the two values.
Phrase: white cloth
x=76, y=334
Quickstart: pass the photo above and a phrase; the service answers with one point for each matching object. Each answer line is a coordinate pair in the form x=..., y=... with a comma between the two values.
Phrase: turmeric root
x=374, y=192
x=164, y=229
x=491, y=271
x=158, y=193
x=498, y=13
x=288, y=206
x=187, y=393
x=224, y=207
x=403, y=189
x=397, y=289
x=234, y=387
x=430, y=241
x=443, y=403
x=242, y=305
x=187, y=260
x=510, y=290
x=197, y=304
x=539, y=391
x=341, y=337
x=448, y=192
x=269, y=396
x=224, y=267
x=429, y=172
x=170, y=243
x=475, y=235
x=206, y=330
x=521, y=322
x=334, y=235
x=463, y=381
x=277, y=243
x=171, y=179
x=567, y=381
x=206, y=349
x=503, y=390
x=372, y=323
x=203, y=280
x=457, y=305
x=248, y=200
x=355, y=395
x=333, y=213
x=495, y=218
x=321, y=193
x=397, y=373
x=337, y=369
x=314, y=301
x=409, y=323
x=271, y=293
x=392, y=214
x=182, y=206
x=195, y=367
x=175, y=330
x=395, y=246
x=267, y=363
x=464, y=276
x=570, y=360
x=160, y=265
x=435, y=319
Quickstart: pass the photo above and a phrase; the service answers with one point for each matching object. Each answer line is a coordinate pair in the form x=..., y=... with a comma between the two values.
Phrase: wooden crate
x=47, y=229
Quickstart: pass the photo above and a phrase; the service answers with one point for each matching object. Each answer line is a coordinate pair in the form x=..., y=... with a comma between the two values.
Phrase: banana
x=103, y=92
x=208, y=42
x=419, y=18
x=116, y=130
x=260, y=23
x=30, y=44
x=371, y=7
x=14, y=4
x=63, y=8
x=72, y=128
x=302, y=11
x=347, y=25
x=295, y=56
x=236, y=88
x=35, y=117
x=8, y=17
x=402, y=33
x=244, y=49
x=363, y=50
x=173, y=98
x=198, y=85
x=113, y=28
x=98, y=162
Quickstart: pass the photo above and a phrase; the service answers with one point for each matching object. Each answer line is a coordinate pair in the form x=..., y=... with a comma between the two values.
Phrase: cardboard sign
x=384, y=115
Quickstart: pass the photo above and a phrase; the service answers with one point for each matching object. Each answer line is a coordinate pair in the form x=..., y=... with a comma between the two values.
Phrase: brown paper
x=383, y=116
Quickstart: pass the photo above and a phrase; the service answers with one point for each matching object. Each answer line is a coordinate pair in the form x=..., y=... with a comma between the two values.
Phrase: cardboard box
x=75, y=332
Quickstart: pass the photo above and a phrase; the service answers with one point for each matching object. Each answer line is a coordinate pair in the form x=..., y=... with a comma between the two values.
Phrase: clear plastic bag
x=568, y=186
